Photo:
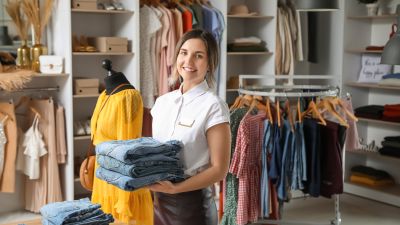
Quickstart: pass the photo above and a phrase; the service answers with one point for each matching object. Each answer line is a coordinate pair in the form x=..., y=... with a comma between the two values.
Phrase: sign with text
x=371, y=69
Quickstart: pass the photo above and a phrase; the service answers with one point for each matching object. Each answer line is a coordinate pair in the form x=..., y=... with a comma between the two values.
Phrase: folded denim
x=128, y=150
x=98, y=219
x=58, y=212
x=136, y=171
x=129, y=183
x=79, y=218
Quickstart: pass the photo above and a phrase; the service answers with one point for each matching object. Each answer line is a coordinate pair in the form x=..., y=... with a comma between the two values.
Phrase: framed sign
x=371, y=69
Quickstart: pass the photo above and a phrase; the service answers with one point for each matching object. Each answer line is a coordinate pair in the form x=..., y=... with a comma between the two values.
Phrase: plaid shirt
x=246, y=165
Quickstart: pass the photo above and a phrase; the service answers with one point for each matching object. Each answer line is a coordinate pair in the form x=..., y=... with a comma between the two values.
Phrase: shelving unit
x=249, y=53
x=102, y=11
x=359, y=32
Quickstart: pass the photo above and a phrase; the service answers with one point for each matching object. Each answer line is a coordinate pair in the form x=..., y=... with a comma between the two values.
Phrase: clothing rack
x=33, y=89
x=293, y=91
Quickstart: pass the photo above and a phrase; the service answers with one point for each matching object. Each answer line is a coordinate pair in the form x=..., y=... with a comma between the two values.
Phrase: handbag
x=86, y=171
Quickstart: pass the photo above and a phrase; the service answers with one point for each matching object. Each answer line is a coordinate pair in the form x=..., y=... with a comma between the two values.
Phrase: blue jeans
x=135, y=171
x=58, y=212
x=128, y=150
x=129, y=183
x=299, y=173
x=288, y=138
x=267, y=145
x=276, y=155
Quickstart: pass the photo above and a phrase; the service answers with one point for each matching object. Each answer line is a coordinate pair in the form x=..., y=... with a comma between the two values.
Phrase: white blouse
x=187, y=117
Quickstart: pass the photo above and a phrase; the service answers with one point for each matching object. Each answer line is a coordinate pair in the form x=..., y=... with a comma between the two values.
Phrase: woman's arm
x=219, y=143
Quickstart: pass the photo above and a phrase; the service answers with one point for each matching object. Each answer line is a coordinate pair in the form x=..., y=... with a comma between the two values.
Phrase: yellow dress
x=120, y=119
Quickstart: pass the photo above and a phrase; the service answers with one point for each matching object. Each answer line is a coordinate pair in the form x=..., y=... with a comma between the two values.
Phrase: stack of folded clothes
x=391, y=113
x=74, y=212
x=370, y=176
x=247, y=44
x=391, y=146
x=136, y=163
x=370, y=111
x=390, y=79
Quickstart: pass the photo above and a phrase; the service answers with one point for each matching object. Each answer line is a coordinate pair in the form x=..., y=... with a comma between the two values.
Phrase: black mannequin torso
x=114, y=80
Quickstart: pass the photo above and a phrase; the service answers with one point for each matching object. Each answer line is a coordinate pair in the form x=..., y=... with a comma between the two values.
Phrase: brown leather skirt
x=194, y=208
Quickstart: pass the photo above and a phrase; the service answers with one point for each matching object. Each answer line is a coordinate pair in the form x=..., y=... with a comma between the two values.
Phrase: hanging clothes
x=3, y=141
x=34, y=148
x=47, y=188
x=7, y=181
x=61, y=135
x=120, y=119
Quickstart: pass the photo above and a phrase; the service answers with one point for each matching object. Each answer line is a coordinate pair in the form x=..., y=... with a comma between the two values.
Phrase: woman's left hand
x=164, y=186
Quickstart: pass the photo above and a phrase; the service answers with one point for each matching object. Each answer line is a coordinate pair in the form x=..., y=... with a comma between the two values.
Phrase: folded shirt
x=391, y=75
x=130, y=150
x=131, y=184
x=372, y=172
x=371, y=182
x=252, y=39
x=372, y=109
x=390, y=151
x=392, y=138
x=374, y=48
x=261, y=47
x=393, y=144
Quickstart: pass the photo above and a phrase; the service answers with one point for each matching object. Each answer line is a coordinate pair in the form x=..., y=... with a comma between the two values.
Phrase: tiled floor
x=354, y=211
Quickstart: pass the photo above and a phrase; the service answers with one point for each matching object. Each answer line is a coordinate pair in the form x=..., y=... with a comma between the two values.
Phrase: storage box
x=109, y=44
x=86, y=86
x=84, y=4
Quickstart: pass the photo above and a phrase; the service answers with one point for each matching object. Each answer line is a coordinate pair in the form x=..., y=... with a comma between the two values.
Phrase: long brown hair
x=212, y=54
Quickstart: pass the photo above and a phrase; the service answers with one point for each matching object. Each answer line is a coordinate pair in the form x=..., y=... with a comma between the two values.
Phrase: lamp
x=391, y=52
x=316, y=5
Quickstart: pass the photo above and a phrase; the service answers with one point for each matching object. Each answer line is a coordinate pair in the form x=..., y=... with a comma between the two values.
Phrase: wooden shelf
x=232, y=90
x=372, y=85
x=358, y=51
x=250, y=17
x=390, y=16
x=390, y=195
x=83, y=137
x=87, y=96
x=382, y=122
x=102, y=53
x=373, y=154
x=40, y=75
x=249, y=53
x=102, y=11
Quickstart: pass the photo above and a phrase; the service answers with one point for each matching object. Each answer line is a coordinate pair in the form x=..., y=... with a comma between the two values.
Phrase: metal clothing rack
x=293, y=91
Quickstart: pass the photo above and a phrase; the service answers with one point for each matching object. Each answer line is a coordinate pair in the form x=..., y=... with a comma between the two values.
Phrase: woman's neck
x=114, y=80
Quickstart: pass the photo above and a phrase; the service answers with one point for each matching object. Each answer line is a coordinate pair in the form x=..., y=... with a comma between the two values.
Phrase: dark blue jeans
x=129, y=183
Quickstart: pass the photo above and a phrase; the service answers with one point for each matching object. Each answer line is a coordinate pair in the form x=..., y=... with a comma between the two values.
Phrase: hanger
x=256, y=103
x=313, y=108
x=245, y=101
x=35, y=112
x=299, y=111
x=23, y=100
x=338, y=102
x=236, y=103
x=328, y=106
x=278, y=112
x=6, y=116
x=268, y=110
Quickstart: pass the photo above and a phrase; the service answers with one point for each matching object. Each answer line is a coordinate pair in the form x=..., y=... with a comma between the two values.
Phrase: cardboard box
x=86, y=86
x=109, y=44
x=84, y=4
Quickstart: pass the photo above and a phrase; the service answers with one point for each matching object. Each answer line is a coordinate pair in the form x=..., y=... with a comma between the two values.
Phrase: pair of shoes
x=371, y=147
x=111, y=6
x=82, y=128
x=82, y=44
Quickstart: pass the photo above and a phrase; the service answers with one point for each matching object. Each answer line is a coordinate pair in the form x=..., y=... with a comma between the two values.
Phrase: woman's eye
x=199, y=56
x=182, y=53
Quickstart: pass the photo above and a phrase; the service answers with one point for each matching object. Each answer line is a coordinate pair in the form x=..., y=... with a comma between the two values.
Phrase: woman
x=196, y=116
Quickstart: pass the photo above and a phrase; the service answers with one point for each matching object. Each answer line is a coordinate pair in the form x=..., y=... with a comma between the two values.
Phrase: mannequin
x=114, y=78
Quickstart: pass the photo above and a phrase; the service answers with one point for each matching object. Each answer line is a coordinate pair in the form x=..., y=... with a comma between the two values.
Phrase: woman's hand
x=164, y=186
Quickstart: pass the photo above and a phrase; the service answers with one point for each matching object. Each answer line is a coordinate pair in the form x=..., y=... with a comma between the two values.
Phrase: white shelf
x=42, y=75
x=390, y=195
x=390, y=16
x=102, y=11
x=249, y=53
x=382, y=122
x=102, y=53
x=359, y=51
x=83, y=137
x=250, y=17
x=87, y=96
x=373, y=154
x=372, y=85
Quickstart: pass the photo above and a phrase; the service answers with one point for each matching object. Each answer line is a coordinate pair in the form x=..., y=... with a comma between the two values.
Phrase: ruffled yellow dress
x=120, y=119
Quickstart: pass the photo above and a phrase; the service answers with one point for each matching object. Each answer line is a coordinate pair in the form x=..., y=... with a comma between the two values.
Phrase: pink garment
x=246, y=165
x=171, y=41
x=163, y=75
x=178, y=24
x=352, y=138
x=60, y=135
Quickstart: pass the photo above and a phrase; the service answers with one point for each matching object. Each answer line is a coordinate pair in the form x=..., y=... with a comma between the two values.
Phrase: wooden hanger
x=312, y=108
x=289, y=114
x=268, y=111
x=329, y=107
x=6, y=116
x=300, y=119
x=338, y=102
x=35, y=112
x=236, y=103
x=278, y=112
x=245, y=101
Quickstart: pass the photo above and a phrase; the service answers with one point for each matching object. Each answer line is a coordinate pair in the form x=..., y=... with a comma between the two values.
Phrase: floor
x=354, y=211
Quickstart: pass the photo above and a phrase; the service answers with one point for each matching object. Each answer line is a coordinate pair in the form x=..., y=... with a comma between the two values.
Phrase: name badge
x=186, y=122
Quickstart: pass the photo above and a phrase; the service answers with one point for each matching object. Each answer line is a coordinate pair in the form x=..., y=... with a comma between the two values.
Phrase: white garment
x=149, y=25
x=34, y=148
x=187, y=117
x=3, y=141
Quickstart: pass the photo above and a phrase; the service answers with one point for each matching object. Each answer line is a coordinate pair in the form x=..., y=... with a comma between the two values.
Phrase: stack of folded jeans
x=77, y=212
x=136, y=163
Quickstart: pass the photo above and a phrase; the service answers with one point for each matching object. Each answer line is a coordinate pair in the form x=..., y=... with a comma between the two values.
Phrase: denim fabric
x=299, y=173
x=267, y=144
x=135, y=171
x=276, y=155
x=288, y=138
x=130, y=150
x=76, y=219
x=56, y=213
x=130, y=184
x=98, y=219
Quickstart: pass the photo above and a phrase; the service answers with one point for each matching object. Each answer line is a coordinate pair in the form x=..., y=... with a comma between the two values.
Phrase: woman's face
x=192, y=61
